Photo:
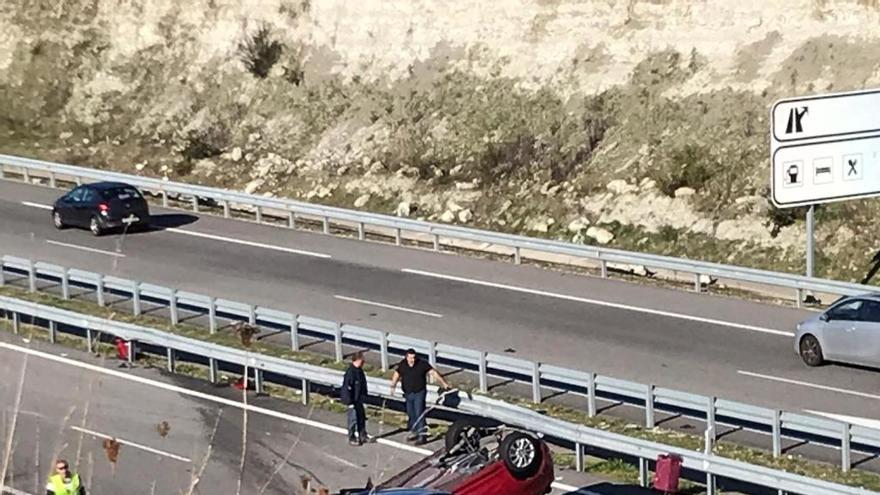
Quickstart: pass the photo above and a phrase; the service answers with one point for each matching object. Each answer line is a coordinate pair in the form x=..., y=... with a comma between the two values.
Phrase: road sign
x=825, y=148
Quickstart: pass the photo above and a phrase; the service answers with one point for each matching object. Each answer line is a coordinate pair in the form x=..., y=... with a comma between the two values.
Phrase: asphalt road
x=706, y=344
x=71, y=401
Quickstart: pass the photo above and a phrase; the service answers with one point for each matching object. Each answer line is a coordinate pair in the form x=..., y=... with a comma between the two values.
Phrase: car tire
x=463, y=428
x=521, y=454
x=811, y=351
x=57, y=220
x=95, y=227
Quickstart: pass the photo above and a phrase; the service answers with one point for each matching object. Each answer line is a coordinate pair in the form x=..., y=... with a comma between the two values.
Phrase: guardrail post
x=397, y=236
x=65, y=283
x=710, y=484
x=252, y=314
x=360, y=231
x=258, y=381
x=777, y=434
x=305, y=392
x=53, y=327
x=27, y=175
x=32, y=276
x=52, y=180
x=484, y=380
x=212, y=370
x=579, y=457
x=536, y=383
x=169, y=353
x=710, y=416
x=225, y=209
x=294, y=333
x=172, y=307
x=89, y=345
x=99, y=290
x=326, y=222
x=643, y=473
x=591, y=394
x=517, y=258
x=259, y=214
x=603, y=267
x=132, y=347
x=2, y=276
x=2, y=171
x=432, y=356
x=164, y=199
x=649, y=406
x=291, y=220
x=16, y=322
x=436, y=242
x=697, y=287
x=78, y=180
x=383, y=351
x=212, y=315
x=195, y=203
x=845, y=453
x=337, y=342
x=136, y=297
x=800, y=297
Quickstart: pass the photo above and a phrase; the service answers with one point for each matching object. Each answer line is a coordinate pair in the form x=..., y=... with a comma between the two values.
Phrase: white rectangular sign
x=825, y=148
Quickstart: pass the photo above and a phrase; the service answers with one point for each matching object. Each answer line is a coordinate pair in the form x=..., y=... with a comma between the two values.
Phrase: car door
x=839, y=331
x=72, y=211
x=866, y=337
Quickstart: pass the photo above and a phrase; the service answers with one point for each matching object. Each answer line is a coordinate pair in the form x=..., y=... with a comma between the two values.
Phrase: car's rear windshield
x=122, y=193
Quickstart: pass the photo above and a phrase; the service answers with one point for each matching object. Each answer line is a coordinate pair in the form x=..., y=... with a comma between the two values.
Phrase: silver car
x=849, y=331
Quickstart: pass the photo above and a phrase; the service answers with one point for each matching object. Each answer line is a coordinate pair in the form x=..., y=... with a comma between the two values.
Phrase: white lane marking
x=599, y=303
x=221, y=400
x=867, y=423
x=811, y=385
x=341, y=460
x=389, y=306
x=203, y=396
x=37, y=205
x=132, y=444
x=85, y=248
x=248, y=243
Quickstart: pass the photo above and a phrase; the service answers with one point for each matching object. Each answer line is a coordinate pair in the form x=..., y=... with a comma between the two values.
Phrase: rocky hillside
x=638, y=124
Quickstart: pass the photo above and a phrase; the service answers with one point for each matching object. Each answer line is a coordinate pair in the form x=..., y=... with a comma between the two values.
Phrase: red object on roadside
x=667, y=472
x=121, y=349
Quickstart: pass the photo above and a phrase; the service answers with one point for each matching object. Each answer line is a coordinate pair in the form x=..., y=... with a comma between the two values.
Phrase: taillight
x=104, y=207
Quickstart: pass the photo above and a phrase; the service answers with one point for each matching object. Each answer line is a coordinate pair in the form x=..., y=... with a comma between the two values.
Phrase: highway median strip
x=790, y=463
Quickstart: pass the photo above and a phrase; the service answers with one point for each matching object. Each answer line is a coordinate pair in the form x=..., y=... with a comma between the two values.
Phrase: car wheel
x=95, y=226
x=463, y=435
x=811, y=350
x=521, y=454
x=57, y=220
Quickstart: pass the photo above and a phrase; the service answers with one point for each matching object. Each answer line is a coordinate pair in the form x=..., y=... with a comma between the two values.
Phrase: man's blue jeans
x=415, y=408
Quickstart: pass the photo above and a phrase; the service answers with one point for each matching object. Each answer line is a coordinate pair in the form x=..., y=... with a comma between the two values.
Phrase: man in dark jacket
x=353, y=394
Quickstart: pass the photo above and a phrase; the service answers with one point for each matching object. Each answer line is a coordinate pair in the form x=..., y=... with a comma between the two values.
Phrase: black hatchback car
x=100, y=207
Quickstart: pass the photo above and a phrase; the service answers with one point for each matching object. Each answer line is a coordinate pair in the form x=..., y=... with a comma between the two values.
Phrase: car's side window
x=90, y=197
x=847, y=311
x=76, y=195
x=871, y=312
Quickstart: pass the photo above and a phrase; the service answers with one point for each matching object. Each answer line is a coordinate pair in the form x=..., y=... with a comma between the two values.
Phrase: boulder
x=602, y=236
x=684, y=192
x=447, y=216
x=361, y=200
x=578, y=224
x=465, y=216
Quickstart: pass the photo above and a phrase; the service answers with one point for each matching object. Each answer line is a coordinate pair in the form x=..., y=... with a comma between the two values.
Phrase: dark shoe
x=421, y=441
x=354, y=442
x=368, y=439
x=411, y=437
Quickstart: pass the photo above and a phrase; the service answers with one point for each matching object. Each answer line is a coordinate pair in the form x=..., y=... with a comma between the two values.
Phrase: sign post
x=824, y=149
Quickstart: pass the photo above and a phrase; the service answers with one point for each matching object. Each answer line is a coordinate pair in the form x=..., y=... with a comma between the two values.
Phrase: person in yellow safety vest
x=63, y=482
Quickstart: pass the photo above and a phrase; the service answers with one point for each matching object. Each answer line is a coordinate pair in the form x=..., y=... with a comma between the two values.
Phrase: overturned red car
x=477, y=460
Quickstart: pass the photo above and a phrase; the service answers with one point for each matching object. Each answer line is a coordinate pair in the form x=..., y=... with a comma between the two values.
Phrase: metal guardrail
x=580, y=436
x=538, y=376
x=435, y=232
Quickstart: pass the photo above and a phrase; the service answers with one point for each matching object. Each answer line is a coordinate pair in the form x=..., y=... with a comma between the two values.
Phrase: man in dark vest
x=413, y=373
